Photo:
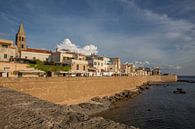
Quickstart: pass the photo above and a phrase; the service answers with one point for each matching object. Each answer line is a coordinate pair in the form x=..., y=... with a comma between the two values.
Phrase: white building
x=35, y=54
x=97, y=65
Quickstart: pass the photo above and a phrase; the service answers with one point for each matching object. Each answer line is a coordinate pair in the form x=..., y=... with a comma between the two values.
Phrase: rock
x=179, y=91
x=188, y=81
x=97, y=99
x=141, y=88
x=149, y=110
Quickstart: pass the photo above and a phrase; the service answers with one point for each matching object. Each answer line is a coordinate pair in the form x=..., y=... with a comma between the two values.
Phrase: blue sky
x=161, y=32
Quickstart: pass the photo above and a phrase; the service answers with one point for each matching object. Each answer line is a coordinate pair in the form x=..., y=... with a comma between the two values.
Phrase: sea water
x=158, y=108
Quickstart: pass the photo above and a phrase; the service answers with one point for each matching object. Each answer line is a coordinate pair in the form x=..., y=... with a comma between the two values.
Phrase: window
x=22, y=46
x=5, y=56
x=84, y=67
x=22, y=38
x=64, y=58
x=34, y=58
x=98, y=63
x=26, y=57
x=101, y=64
x=77, y=67
x=11, y=58
x=5, y=46
x=95, y=63
x=19, y=38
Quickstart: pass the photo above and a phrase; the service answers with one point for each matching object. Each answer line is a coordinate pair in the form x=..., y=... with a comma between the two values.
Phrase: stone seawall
x=63, y=90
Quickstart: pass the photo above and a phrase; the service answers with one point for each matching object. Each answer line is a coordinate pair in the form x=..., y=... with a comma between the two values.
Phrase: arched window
x=22, y=46
x=22, y=38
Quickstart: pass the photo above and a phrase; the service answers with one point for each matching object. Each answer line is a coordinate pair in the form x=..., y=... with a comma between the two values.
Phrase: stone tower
x=21, y=38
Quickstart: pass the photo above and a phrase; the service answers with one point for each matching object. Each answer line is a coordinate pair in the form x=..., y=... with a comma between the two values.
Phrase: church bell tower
x=21, y=38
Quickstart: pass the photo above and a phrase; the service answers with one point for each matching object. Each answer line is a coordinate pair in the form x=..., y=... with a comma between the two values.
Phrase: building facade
x=77, y=62
x=156, y=71
x=97, y=65
x=12, y=69
x=7, y=51
x=115, y=65
x=128, y=69
x=35, y=54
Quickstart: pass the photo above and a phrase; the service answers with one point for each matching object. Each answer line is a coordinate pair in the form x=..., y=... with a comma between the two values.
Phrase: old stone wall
x=64, y=90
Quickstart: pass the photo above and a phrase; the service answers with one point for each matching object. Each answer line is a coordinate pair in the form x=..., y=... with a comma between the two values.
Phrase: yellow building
x=7, y=50
x=8, y=69
x=76, y=61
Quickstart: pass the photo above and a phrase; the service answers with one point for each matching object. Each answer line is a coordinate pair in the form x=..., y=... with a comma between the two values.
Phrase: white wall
x=39, y=56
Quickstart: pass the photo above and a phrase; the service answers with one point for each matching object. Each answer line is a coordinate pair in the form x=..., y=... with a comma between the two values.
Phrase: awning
x=30, y=71
x=92, y=69
x=73, y=72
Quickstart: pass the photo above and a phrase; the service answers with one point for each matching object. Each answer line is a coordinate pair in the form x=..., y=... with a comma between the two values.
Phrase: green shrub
x=52, y=68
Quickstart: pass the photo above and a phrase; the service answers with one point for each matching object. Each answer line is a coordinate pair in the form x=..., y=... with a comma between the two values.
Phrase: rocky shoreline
x=99, y=104
x=19, y=110
x=188, y=81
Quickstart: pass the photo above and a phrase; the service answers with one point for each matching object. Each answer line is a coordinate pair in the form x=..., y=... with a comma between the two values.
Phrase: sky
x=146, y=32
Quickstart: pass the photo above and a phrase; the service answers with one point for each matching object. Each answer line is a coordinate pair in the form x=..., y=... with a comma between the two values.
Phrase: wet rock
x=188, y=81
x=179, y=91
x=149, y=110
x=97, y=99
x=141, y=88
x=147, y=87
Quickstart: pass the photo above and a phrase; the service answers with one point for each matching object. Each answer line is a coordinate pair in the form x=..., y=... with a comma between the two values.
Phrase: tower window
x=22, y=38
x=22, y=46
x=19, y=38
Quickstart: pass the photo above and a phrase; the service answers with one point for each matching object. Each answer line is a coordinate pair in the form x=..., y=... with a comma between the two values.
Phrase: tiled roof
x=37, y=50
x=3, y=41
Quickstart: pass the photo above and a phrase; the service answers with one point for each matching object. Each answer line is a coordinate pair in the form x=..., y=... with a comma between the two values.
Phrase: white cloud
x=66, y=44
x=142, y=63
